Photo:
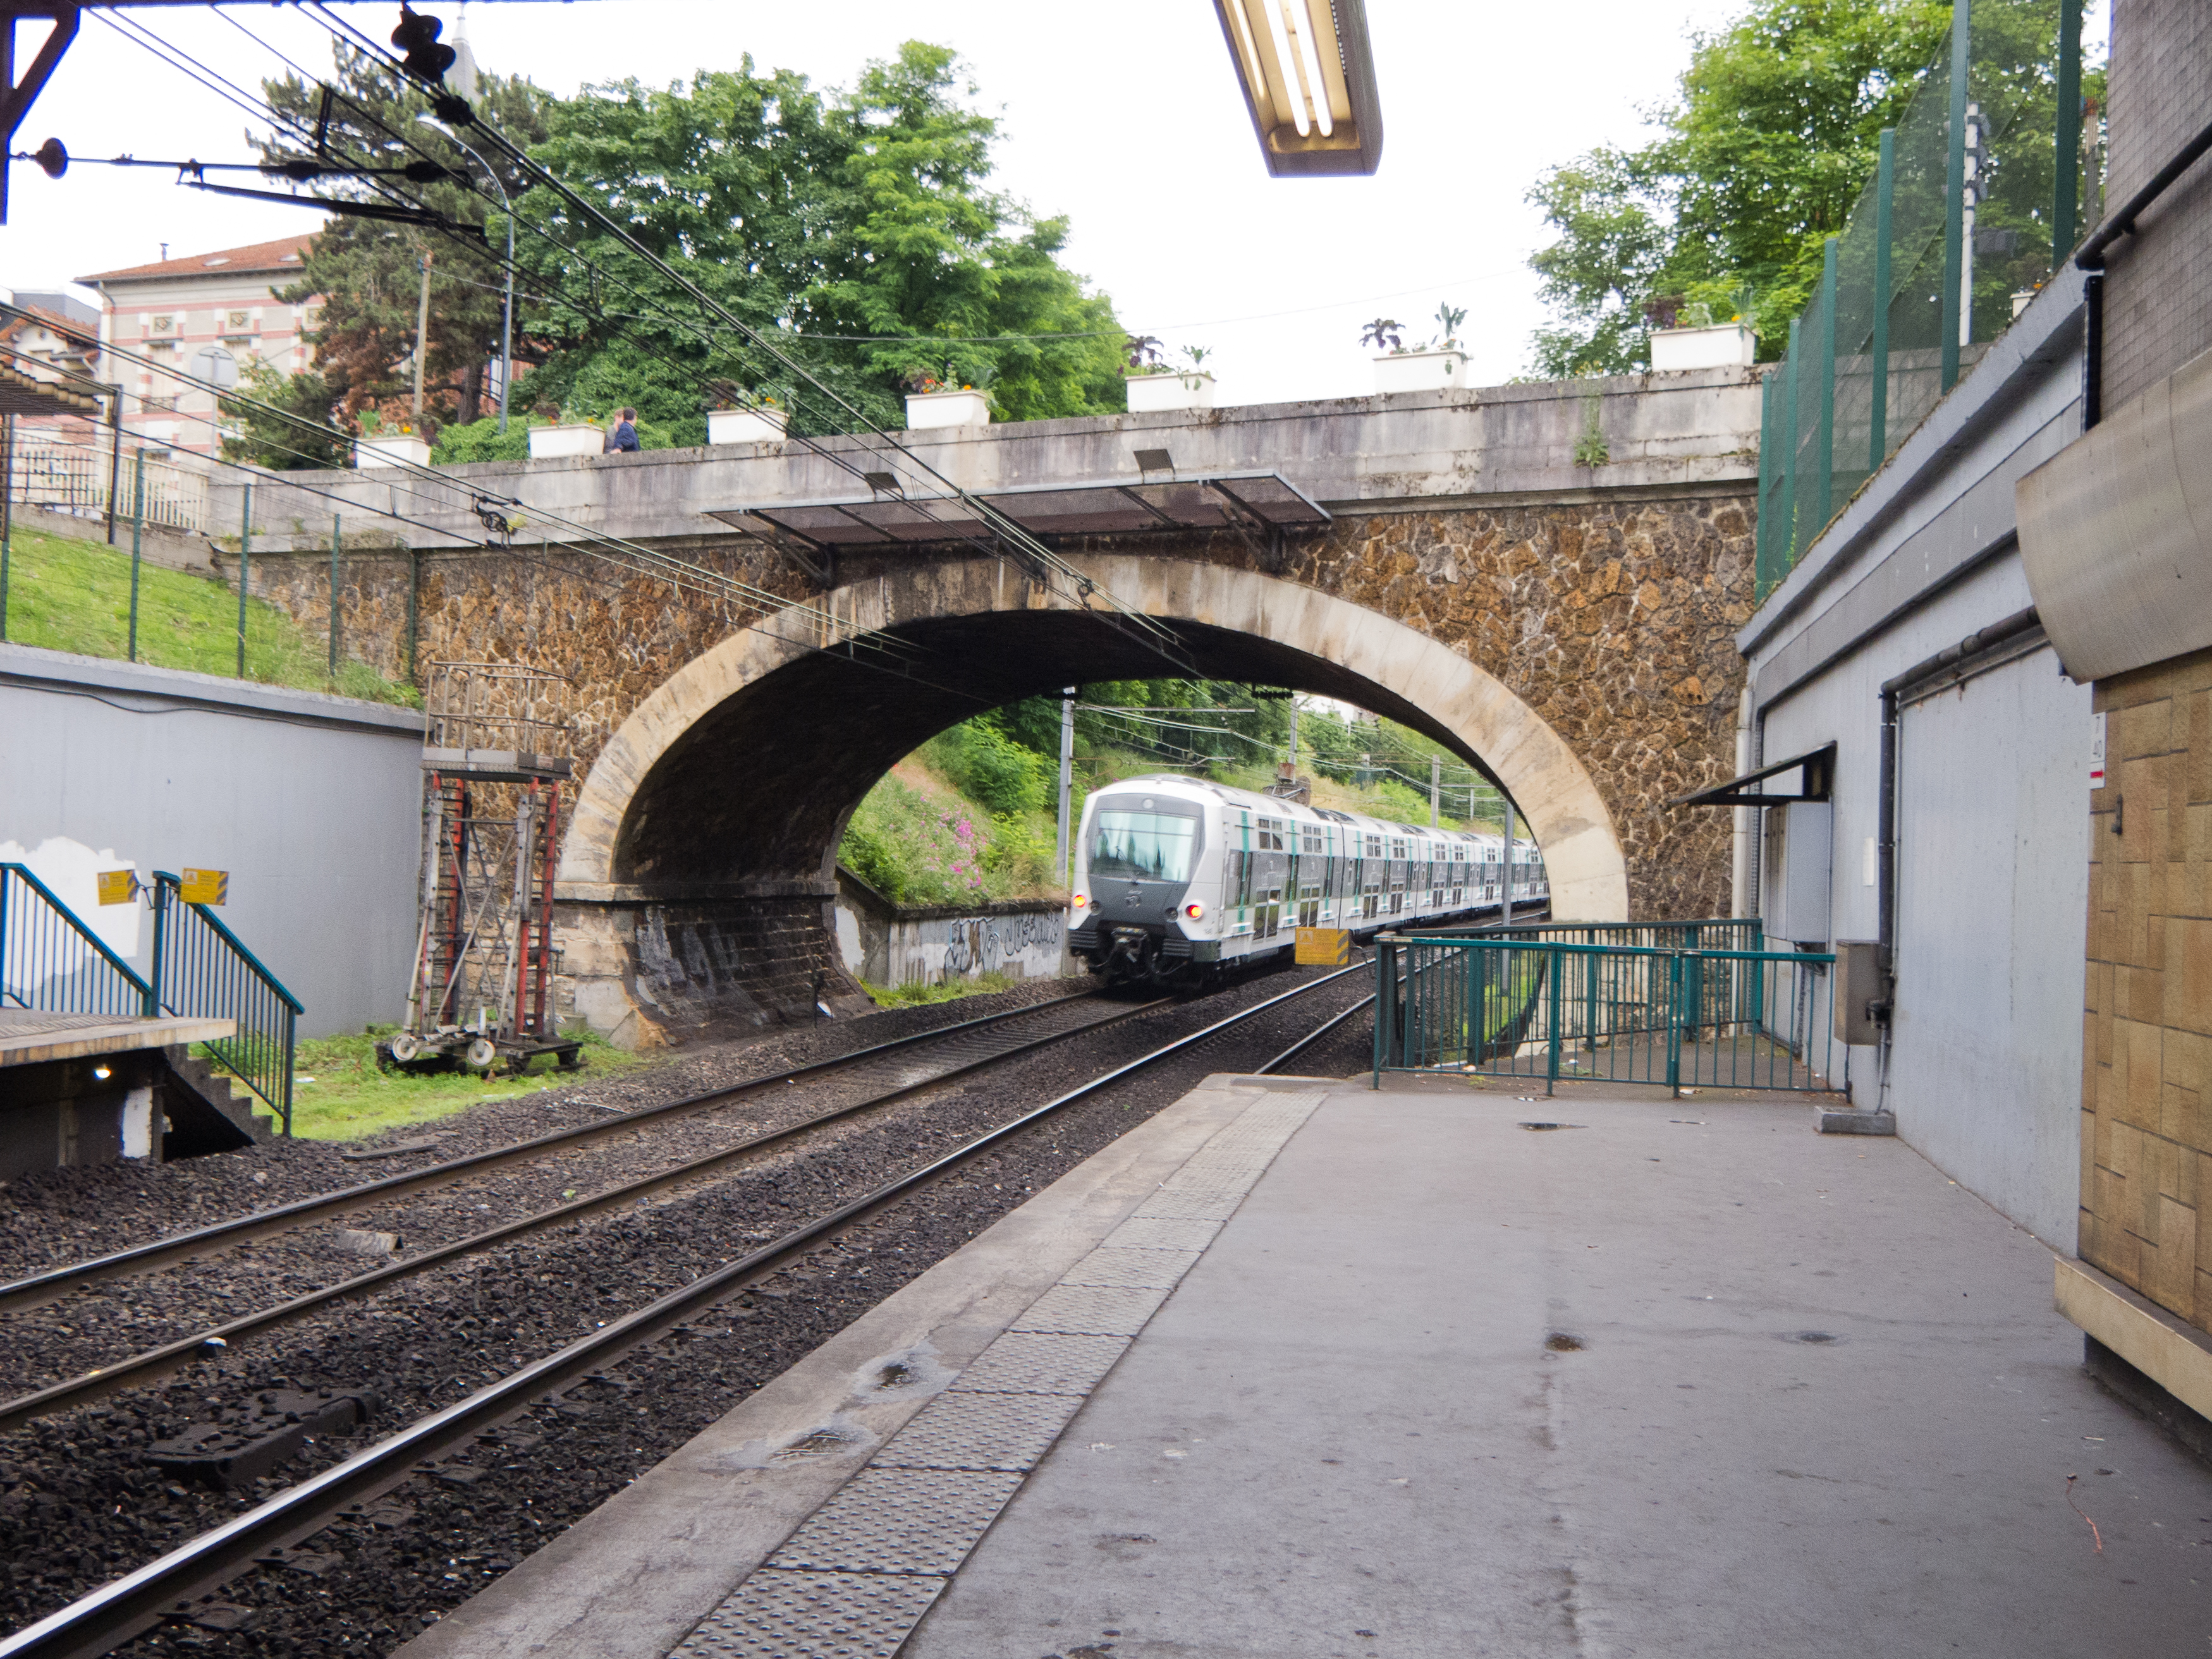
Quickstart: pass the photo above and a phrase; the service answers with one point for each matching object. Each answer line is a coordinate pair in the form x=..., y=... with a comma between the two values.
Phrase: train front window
x=1144, y=846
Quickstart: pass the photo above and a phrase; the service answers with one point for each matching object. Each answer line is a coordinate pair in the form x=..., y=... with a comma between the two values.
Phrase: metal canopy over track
x=1105, y=506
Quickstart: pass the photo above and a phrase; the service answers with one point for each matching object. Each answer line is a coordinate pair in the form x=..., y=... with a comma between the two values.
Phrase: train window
x=1148, y=847
x=1309, y=905
x=1309, y=840
x=1270, y=834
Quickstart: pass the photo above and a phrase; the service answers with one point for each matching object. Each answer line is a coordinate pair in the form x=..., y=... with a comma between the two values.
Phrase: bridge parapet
x=1656, y=432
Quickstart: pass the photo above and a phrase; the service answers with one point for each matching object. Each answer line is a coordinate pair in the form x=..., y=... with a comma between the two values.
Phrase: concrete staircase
x=203, y=1114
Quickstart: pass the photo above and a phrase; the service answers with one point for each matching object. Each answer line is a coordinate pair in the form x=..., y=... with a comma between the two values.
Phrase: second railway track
x=927, y=1210
x=885, y=1073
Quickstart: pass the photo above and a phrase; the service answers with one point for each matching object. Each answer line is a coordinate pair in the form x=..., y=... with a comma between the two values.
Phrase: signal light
x=427, y=58
x=1194, y=910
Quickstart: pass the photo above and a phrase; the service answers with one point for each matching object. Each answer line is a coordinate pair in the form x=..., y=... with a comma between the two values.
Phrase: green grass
x=943, y=990
x=74, y=596
x=338, y=1093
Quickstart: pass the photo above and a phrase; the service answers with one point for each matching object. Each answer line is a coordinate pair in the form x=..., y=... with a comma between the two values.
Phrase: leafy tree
x=368, y=271
x=810, y=216
x=264, y=439
x=1769, y=144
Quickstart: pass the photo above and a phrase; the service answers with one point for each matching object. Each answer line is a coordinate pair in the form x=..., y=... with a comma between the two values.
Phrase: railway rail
x=35, y=1290
x=970, y=1049
x=97, y=1623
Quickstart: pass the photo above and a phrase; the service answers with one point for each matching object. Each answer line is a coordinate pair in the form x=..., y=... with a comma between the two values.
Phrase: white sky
x=1136, y=131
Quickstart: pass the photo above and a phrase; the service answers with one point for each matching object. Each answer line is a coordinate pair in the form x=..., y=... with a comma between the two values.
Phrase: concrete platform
x=32, y=1036
x=1686, y=1378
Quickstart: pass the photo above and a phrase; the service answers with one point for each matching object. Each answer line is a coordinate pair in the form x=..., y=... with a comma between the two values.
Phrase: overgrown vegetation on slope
x=67, y=595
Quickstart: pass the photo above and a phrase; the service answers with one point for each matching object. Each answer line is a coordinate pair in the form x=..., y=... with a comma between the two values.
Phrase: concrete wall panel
x=312, y=803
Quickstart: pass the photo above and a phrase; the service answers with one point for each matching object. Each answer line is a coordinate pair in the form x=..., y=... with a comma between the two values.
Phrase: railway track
x=97, y=1623
x=958, y=1051
x=35, y=1290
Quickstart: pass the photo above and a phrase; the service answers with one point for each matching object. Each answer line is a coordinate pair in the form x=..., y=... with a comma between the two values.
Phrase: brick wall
x=2158, y=303
x=2146, y=1051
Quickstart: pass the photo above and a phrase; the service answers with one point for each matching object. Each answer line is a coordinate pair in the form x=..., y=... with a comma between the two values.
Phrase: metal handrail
x=207, y=966
x=1555, y=1009
x=16, y=933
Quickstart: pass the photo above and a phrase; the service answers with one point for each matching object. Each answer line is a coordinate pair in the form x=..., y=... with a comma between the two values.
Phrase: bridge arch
x=698, y=865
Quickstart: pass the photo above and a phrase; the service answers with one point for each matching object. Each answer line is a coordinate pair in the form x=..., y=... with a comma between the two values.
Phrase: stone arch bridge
x=1463, y=562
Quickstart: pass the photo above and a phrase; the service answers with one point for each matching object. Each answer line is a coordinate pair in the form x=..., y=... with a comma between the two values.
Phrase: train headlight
x=1080, y=901
x=1194, y=910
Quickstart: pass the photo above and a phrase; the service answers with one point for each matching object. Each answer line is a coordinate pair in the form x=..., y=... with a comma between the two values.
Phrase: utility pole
x=1436, y=789
x=1294, y=733
x=1505, y=890
x=422, y=334
x=1067, y=773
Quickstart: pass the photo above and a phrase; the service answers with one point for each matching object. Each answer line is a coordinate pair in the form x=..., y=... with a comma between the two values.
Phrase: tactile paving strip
x=981, y=1432
x=857, y=1577
x=1170, y=1206
x=813, y=1616
x=1136, y=1269
x=1034, y=1362
x=1092, y=1310
x=899, y=1520
x=1154, y=1233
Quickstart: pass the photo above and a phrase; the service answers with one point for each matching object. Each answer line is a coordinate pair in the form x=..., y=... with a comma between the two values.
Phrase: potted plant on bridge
x=935, y=400
x=401, y=446
x=1156, y=385
x=560, y=437
x=745, y=417
x=1439, y=364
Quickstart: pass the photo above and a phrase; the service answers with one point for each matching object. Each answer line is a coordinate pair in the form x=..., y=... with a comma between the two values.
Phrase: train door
x=1459, y=875
x=1311, y=872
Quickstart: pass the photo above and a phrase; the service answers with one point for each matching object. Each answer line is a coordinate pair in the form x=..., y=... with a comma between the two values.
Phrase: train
x=1179, y=880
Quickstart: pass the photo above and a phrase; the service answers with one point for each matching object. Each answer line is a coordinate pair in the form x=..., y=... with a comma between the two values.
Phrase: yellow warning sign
x=1324, y=947
x=117, y=886
x=205, y=886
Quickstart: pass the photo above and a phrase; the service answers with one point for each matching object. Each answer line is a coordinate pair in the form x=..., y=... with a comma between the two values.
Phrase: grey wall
x=312, y=802
x=1985, y=1068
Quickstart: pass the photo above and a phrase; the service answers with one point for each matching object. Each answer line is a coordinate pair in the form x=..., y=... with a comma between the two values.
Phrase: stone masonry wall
x=2146, y=1046
x=1614, y=618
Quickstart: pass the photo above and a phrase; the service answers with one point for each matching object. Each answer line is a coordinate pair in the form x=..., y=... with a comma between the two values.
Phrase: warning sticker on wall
x=2097, y=752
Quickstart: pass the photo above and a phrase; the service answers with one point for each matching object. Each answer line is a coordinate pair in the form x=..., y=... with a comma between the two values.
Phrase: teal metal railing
x=1714, y=1017
x=1981, y=190
x=1704, y=932
x=51, y=961
x=201, y=968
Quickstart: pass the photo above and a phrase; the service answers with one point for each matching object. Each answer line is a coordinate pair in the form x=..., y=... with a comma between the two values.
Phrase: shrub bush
x=984, y=764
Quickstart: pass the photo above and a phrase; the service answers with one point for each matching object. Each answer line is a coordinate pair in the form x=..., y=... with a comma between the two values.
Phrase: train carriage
x=1177, y=880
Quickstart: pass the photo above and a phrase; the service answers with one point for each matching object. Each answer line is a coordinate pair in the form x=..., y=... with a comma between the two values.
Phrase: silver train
x=1177, y=880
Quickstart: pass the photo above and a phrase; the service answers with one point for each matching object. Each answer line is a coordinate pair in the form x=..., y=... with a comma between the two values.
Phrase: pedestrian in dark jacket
x=624, y=435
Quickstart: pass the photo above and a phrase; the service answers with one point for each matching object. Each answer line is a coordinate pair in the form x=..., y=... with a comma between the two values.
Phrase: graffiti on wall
x=979, y=944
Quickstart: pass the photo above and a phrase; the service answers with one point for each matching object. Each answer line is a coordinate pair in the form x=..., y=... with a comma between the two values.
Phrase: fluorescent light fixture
x=1308, y=79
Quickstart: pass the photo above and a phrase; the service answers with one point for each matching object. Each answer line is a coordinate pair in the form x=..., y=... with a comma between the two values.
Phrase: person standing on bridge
x=624, y=435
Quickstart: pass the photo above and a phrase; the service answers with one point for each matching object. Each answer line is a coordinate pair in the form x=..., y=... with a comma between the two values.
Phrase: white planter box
x=1420, y=371
x=1727, y=346
x=746, y=426
x=581, y=439
x=1149, y=394
x=946, y=408
x=392, y=449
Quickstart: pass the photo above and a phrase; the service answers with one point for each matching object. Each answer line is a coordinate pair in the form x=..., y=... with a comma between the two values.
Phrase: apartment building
x=206, y=316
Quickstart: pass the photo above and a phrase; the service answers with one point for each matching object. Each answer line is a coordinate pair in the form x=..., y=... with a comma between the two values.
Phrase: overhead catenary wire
x=1040, y=561
x=1003, y=530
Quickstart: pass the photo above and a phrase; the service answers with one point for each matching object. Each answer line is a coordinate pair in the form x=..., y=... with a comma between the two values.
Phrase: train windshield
x=1149, y=846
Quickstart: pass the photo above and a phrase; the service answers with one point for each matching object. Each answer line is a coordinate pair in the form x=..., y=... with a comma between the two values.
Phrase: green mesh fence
x=1984, y=187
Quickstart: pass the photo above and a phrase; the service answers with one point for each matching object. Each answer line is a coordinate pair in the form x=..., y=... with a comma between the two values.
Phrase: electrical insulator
x=417, y=37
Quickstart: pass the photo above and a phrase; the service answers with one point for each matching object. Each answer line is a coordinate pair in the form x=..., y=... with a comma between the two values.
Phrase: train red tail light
x=1194, y=910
